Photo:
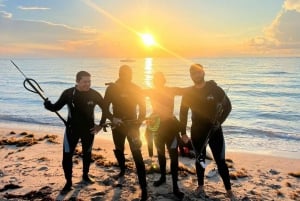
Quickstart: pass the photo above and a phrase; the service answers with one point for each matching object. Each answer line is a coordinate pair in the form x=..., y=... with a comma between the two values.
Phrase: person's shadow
x=73, y=193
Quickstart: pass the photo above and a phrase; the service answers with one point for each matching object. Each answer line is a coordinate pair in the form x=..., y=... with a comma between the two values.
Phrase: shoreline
x=106, y=139
x=107, y=135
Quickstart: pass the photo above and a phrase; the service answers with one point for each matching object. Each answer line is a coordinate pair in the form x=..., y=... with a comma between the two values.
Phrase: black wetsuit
x=202, y=103
x=81, y=105
x=162, y=101
x=125, y=100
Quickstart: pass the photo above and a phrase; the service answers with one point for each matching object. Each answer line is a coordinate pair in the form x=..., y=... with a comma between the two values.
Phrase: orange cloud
x=282, y=36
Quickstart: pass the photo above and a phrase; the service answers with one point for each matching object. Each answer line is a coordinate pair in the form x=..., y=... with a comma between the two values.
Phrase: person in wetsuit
x=126, y=99
x=81, y=101
x=162, y=101
x=203, y=99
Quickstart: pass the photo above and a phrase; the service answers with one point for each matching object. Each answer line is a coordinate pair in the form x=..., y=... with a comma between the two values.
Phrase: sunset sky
x=111, y=28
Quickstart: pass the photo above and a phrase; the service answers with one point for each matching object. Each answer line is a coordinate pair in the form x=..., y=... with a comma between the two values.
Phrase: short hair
x=81, y=74
x=125, y=72
x=196, y=67
x=125, y=69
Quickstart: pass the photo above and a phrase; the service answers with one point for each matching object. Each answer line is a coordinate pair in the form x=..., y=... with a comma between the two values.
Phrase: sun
x=148, y=39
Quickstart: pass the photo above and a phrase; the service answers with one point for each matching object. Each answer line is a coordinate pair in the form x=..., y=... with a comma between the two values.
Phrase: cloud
x=5, y=14
x=28, y=38
x=43, y=38
x=283, y=34
x=38, y=31
x=292, y=5
x=33, y=8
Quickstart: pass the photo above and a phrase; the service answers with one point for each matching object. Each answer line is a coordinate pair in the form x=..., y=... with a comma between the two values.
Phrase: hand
x=117, y=121
x=104, y=126
x=96, y=129
x=47, y=104
x=185, y=138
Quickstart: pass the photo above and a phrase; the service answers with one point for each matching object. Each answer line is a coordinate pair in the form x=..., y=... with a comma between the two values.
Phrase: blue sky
x=194, y=28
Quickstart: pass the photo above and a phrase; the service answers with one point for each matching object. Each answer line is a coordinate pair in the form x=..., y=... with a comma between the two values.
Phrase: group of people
x=124, y=105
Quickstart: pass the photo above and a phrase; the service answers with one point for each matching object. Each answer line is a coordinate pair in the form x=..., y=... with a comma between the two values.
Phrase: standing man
x=162, y=101
x=81, y=101
x=210, y=107
x=126, y=99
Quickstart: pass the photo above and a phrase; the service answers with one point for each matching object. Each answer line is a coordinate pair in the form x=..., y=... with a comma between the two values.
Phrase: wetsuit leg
x=149, y=138
x=87, y=140
x=170, y=135
x=69, y=145
x=180, y=146
x=198, y=137
x=160, y=147
x=119, y=136
x=173, y=152
x=133, y=137
x=217, y=146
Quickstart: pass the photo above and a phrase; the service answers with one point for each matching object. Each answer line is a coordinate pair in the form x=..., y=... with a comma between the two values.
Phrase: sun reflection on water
x=148, y=72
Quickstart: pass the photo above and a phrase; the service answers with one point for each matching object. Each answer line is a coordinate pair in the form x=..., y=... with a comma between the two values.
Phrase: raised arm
x=63, y=100
x=179, y=91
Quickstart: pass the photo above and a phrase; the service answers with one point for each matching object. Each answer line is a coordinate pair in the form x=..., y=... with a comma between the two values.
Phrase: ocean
x=264, y=92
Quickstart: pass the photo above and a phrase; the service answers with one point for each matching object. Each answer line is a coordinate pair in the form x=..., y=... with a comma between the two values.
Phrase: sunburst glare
x=148, y=39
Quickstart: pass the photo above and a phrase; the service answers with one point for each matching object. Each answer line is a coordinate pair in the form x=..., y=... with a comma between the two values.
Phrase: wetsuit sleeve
x=224, y=105
x=178, y=91
x=183, y=114
x=106, y=114
x=219, y=93
x=141, y=105
x=63, y=99
x=100, y=102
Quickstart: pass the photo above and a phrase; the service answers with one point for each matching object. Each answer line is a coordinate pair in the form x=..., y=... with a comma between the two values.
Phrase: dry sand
x=31, y=170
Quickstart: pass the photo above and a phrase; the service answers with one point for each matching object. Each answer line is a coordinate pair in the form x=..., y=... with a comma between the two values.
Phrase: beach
x=31, y=170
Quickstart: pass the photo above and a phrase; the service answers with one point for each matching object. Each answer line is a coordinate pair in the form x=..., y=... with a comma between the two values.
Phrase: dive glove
x=47, y=104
